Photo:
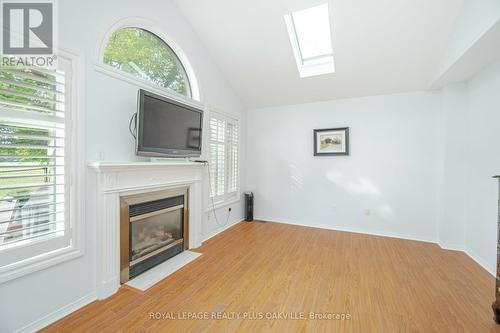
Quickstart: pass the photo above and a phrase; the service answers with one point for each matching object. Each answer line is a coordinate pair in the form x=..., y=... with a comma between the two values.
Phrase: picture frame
x=331, y=141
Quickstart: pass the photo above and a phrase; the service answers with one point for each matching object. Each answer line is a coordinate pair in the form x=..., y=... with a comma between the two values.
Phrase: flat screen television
x=167, y=128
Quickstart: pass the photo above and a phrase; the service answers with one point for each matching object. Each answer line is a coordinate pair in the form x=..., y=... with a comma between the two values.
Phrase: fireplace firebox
x=153, y=228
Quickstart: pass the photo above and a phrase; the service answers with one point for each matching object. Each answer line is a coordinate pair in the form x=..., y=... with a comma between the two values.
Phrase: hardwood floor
x=384, y=284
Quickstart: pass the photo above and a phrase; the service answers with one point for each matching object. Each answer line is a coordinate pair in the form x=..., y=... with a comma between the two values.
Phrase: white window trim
x=222, y=204
x=233, y=197
x=155, y=28
x=137, y=82
x=76, y=178
x=324, y=64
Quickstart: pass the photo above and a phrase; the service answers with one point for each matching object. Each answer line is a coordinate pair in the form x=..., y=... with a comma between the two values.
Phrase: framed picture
x=331, y=141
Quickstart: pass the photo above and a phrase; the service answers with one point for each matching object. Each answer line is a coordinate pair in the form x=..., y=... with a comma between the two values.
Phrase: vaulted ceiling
x=380, y=47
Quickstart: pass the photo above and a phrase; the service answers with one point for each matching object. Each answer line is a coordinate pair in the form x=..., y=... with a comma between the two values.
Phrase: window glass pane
x=233, y=144
x=144, y=55
x=32, y=150
x=312, y=26
x=224, y=156
x=217, y=156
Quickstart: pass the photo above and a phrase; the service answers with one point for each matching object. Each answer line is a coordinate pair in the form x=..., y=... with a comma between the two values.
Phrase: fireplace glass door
x=152, y=230
x=151, y=233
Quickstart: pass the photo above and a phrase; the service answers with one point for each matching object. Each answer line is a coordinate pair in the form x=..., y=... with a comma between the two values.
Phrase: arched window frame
x=154, y=28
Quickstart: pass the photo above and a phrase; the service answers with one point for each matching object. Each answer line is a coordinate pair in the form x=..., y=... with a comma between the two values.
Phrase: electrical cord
x=133, y=131
x=212, y=198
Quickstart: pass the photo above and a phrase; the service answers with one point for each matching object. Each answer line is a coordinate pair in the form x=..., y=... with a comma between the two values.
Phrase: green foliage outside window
x=144, y=55
x=18, y=91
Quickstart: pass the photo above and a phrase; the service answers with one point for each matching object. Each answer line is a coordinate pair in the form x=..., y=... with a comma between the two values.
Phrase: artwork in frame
x=331, y=141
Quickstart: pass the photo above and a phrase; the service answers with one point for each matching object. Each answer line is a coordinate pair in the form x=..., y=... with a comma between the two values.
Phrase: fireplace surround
x=111, y=181
x=153, y=228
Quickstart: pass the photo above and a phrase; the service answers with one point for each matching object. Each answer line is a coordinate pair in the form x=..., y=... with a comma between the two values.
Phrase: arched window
x=143, y=54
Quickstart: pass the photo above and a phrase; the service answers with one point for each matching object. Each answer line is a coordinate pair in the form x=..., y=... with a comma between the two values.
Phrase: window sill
x=34, y=264
x=120, y=75
x=221, y=204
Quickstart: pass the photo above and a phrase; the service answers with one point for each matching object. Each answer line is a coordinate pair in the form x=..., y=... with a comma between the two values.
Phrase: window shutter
x=233, y=157
x=32, y=155
x=217, y=156
x=224, y=157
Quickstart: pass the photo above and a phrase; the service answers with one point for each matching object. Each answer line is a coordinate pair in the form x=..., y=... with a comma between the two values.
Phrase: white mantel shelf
x=113, y=180
x=117, y=166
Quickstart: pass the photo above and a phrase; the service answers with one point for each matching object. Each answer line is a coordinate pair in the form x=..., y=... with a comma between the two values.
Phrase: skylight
x=310, y=36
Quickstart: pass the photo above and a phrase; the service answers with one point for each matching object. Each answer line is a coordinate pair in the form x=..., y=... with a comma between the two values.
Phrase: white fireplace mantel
x=113, y=180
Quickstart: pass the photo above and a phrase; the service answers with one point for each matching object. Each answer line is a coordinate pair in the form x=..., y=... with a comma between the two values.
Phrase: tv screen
x=167, y=128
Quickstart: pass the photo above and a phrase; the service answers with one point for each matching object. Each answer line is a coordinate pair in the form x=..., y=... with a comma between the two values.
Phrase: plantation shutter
x=217, y=156
x=224, y=157
x=32, y=155
x=233, y=157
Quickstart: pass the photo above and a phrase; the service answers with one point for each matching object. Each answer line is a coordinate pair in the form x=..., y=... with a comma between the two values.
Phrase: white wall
x=470, y=157
x=392, y=168
x=410, y=154
x=452, y=199
x=482, y=155
x=475, y=19
x=420, y=162
x=109, y=105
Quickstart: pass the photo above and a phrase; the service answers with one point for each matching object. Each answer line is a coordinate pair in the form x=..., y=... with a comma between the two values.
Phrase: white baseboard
x=353, y=230
x=454, y=247
x=221, y=229
x=107, y=288
x=58, y=314
x=491, y=269
x=79, y=303
x=73, y=306
x=451, y=247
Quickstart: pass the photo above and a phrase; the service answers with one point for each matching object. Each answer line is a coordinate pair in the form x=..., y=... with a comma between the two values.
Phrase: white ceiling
x=380, y=47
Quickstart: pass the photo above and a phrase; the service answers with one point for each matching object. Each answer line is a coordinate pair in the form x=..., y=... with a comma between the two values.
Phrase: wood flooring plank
x=384, y=284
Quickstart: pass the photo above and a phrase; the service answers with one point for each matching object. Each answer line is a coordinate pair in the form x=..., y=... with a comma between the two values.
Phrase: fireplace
x=153, y=228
